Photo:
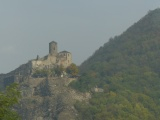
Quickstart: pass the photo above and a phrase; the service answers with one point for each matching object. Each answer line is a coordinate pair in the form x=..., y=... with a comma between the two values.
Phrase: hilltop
x=43, y=83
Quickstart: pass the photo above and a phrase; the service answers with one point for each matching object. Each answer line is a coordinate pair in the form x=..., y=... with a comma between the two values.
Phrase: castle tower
x=53, y=49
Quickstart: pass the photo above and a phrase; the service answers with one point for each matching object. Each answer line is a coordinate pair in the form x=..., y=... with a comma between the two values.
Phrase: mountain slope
x=142, y=37
x=136, y=51
x=128, y=69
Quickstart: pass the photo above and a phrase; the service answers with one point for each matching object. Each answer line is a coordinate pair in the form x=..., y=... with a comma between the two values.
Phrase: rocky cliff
x=49, y=99
x=46, y=98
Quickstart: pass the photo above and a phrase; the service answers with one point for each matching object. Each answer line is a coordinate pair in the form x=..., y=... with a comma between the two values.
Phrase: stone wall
x=64, y=58
x=46, y=62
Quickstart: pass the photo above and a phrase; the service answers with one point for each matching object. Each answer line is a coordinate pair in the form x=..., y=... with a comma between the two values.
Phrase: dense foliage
x=41, y=73
x=72, y=70
x=8, y=99
x=128, y=69
x=58, y=70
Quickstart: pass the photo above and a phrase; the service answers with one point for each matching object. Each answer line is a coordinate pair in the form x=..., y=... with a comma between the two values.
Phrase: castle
x=49, y=61
x=63, y=58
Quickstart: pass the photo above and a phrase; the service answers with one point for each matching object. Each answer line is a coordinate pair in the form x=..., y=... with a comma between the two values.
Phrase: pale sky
x=78, y=26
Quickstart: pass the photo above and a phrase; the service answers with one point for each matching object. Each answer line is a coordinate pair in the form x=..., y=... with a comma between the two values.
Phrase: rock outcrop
x=49, y=99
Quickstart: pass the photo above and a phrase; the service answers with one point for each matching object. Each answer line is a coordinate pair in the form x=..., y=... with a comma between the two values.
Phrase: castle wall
x=65, y=58
x=46, y=62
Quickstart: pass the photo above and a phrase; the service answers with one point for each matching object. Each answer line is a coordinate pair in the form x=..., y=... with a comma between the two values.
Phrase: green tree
x=72, y=70
x=59, y=70
x=41, y=73
x=8, y=99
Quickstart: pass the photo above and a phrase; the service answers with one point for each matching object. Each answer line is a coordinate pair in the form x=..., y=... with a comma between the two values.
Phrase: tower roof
x=53, y=42
x=64, y=51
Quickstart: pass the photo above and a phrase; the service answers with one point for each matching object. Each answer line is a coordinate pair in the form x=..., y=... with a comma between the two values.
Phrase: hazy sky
x=78, y=26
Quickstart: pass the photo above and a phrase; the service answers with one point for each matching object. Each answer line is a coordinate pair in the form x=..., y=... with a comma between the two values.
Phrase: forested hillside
x=128, y=69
